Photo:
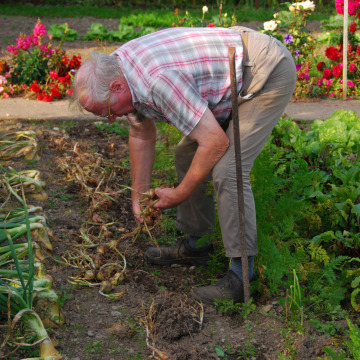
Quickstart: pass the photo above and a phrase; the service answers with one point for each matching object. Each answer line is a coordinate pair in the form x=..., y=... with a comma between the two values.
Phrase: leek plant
x=18, y=284
x=29, y=179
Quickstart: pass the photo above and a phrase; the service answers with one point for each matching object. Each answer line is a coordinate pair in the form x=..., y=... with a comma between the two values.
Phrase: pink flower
x=352, y=67
x=11, y=89
x=319, y=82
x=3, y=80
x=350, y=84
x=331, y=94
x=328, y=83
x=35, y=40
x=50, y=36
x=12, y=49
x=1, y=89
x=7, y=75
x=39, y=29
x=6, y=95
x=23, y=42
x=43, y=48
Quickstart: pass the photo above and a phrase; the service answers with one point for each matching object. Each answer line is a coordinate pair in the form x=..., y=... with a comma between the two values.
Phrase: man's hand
x=168, y=198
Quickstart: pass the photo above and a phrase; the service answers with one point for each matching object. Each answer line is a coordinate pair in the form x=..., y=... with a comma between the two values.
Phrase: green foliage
x=97, y=31
x=352, y=345
x=29, y=66
x=306, y=186
x=333, y=22
x=228, y=307
x=148, y=19
x=62, y=32
x=124, y=33
x=114, y=128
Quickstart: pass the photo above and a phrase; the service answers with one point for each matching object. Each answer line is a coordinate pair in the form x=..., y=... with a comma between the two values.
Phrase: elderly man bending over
x=181, y=76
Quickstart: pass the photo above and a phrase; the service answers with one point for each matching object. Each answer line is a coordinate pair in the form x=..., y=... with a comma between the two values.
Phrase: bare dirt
x=153, y=318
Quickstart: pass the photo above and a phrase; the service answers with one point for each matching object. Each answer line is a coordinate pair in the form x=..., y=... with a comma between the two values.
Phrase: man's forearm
x=142, y=141
x=212, y=144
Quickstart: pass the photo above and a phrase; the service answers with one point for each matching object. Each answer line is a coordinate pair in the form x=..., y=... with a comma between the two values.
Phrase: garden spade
x=239, y=179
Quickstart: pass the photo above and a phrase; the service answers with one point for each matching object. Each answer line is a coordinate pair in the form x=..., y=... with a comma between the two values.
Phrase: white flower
x=270, y=25
x=303, y=5
x=205, y=9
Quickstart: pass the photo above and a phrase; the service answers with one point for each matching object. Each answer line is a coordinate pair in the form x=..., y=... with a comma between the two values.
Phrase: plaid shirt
x=175, y=74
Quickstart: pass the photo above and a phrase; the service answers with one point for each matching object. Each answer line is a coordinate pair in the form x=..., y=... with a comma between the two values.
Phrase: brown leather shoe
x=180, y=253
x=230, y=287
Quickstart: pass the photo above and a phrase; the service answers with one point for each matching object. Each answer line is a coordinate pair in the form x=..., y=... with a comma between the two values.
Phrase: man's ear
x=118, y=85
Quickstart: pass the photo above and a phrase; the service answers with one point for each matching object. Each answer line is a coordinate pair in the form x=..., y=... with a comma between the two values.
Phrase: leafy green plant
x=228, y=307
x=63, y=32
x=307, y=194
x=96, y=31
x=352, y=344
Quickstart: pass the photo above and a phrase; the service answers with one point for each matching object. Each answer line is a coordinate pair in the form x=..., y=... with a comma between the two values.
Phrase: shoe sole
x=199, y=299
x=185, y=261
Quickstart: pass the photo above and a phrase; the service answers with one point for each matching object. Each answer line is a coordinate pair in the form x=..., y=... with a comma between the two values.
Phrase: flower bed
x=37, y=70
x=319, y=75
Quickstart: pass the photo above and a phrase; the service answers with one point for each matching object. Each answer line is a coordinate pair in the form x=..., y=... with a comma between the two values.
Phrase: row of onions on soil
x=94, y=254
x=26, y=293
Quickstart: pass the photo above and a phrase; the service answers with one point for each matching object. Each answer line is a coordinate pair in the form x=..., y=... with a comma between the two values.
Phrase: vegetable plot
x=311, y=177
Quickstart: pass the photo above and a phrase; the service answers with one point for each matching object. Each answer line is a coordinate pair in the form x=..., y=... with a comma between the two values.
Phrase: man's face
x=121, y=106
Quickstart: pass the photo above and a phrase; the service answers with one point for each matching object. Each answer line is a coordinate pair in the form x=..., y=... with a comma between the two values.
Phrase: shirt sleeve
x=175, y=96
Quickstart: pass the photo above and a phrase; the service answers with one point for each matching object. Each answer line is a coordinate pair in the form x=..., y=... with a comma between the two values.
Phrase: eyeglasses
x=108, y=105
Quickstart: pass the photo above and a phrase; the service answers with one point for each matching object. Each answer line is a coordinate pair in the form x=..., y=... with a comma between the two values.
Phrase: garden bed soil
x=154, y=298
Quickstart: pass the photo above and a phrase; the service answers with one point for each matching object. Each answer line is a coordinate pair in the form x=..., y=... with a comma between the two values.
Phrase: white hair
x=93, y=79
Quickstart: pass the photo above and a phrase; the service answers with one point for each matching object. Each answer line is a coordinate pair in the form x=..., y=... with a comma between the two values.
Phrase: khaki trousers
x=257, y=118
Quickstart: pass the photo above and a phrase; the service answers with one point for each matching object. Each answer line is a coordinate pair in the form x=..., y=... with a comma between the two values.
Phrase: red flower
x=65, y=60
x=352, y=27
x=34, y=87
x=44, y=97
x=211, y=25
x=47, y=98
x=320, y=66
x=358, y=50
x=53, y=74
x=70, y=92
x=337, y=70
x=65, y=79
x=332, y=53
x=55, y=92
x=75, y=62
x=352, y=67
x=326, y=73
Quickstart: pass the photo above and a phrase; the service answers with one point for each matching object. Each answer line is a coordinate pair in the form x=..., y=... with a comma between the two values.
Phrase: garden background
x=305, y=182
